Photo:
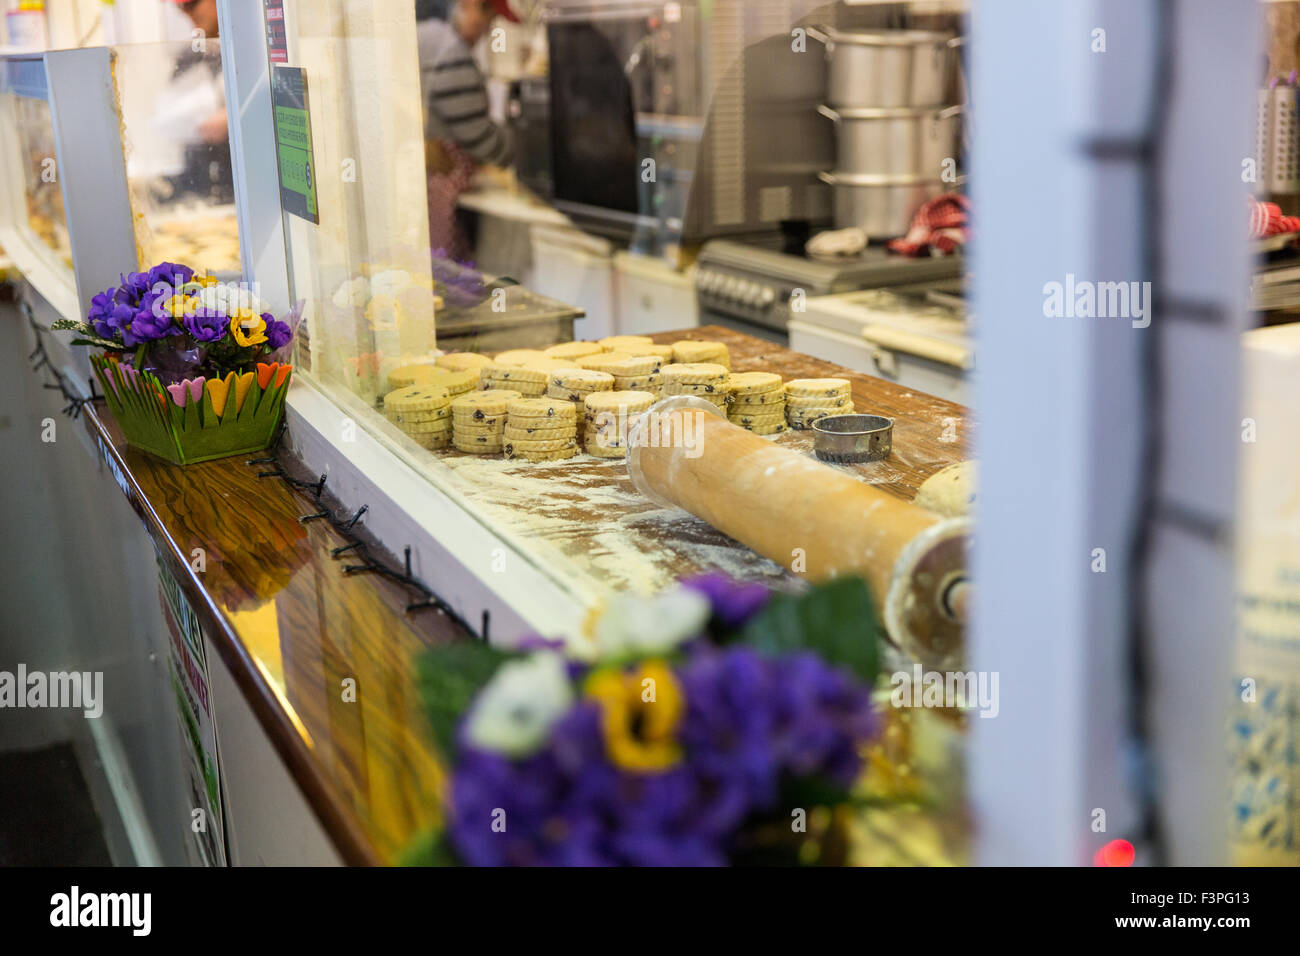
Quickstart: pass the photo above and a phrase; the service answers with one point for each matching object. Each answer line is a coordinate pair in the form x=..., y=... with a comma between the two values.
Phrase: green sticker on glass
x=293, y=142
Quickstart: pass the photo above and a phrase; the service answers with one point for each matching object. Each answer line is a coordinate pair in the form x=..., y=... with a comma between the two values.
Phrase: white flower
x=520, y=704
x=632, y=624
x=389, y=283
x=226, y=299
x=353, y=293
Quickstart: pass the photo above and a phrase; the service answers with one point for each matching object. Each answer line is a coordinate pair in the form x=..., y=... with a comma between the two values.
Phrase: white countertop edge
x=451, y=551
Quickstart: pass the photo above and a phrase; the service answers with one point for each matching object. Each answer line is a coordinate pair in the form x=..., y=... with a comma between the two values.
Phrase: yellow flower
x=247, y=328
x=640, y=711
x=204, y=281
x=179, y=306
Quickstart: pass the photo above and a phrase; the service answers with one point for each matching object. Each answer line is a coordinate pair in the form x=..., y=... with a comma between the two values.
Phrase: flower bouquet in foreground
x=191, y=368
x=713, y=724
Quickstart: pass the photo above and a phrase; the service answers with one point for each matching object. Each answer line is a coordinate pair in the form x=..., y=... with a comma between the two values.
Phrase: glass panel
x=33, y=225
x=363, y=271
x=175, y=137
x=377, y=290
x=45, y=216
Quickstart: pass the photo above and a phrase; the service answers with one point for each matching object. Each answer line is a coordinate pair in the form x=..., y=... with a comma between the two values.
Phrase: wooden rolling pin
x=814, y=520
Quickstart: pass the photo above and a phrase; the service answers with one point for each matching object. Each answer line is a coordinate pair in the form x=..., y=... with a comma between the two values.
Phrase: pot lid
x=886, y=37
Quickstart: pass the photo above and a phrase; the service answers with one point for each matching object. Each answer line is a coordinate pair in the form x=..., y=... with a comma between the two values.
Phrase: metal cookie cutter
x=853, y=438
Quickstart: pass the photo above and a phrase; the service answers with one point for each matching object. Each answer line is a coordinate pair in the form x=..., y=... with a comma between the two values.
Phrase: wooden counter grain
x=929, y=432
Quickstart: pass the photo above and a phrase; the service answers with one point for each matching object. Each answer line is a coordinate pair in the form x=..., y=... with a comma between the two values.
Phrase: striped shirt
x=455, y=98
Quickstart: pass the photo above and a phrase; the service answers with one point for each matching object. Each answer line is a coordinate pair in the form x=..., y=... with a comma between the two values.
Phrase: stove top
x=763, y=281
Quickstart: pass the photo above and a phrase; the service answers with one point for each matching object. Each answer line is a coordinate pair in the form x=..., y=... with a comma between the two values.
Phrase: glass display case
x=156, y=186
x=373, y=294
x=174, y=128
x=33, y=223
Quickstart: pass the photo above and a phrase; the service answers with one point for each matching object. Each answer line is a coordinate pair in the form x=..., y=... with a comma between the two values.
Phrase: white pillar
x=1063, y=108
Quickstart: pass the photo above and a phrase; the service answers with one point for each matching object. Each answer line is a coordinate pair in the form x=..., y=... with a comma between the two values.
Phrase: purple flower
x=134, y=286
x=206, y=325
x=750, y=722
x=120, y=320
x=733, y=602
x=171, y=274
x=549, y=800
x=146, y=326
x=727, y=731
x=820, y=714
x=278, y=333
x=101, y=308
x=568, y=806
x=751, y=719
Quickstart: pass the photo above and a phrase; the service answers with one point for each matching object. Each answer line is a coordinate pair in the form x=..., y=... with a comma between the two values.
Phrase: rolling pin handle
x=955, y=599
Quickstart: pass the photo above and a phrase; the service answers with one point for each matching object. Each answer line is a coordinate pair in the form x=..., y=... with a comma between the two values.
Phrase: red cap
x=502, y=7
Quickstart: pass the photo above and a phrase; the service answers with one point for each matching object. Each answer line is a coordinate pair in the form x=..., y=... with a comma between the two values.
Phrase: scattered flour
x=584, y=519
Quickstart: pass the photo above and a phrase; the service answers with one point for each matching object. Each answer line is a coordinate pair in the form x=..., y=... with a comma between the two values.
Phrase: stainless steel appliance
x=896, y=135
x=626, y=103
x=888, y=68
x=894, y=141
x=677, y=122
x=881, y=206
x=529, y=112
x=757, y=286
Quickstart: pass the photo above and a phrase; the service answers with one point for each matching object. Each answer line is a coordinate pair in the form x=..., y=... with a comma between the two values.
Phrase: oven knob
x=766, y=297
x=731, y=289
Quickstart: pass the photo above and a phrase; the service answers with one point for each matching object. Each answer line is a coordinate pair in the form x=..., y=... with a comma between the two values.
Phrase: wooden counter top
x=929, y=432
x=291, y=625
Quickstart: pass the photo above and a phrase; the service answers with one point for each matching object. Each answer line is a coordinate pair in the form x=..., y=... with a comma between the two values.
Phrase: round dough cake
x=484, y=404
x=817, y=387
x=690, y=351
x=573, y=350
x=518, y=356
x=620, y=343
x=754, y=383
x=693, y=373
x=415, y=398
x=950, y=491
x=662, y=352
x=634, y=366
x=461, y=361
x=406, y=420
x=598, y=363
x=582, y=379
x=628, y=402
x=541, y=408
x=544, y=430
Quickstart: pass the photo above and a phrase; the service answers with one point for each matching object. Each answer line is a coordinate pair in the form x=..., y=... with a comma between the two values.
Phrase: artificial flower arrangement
x=702, y=726
x=192, y=369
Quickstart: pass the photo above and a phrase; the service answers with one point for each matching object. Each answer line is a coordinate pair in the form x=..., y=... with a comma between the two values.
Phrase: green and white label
x=293, y=143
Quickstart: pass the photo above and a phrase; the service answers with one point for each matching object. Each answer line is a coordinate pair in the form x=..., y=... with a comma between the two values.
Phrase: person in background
x=207, y=170
x=460, y=136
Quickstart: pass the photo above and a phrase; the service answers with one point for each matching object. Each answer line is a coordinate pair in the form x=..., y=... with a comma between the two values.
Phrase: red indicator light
x=1115, y=853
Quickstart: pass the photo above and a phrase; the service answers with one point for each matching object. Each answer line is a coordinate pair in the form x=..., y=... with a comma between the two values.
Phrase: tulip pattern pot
x=197, y=419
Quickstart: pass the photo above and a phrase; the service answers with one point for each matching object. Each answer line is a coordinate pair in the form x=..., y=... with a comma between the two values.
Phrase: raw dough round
x=950, y=492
